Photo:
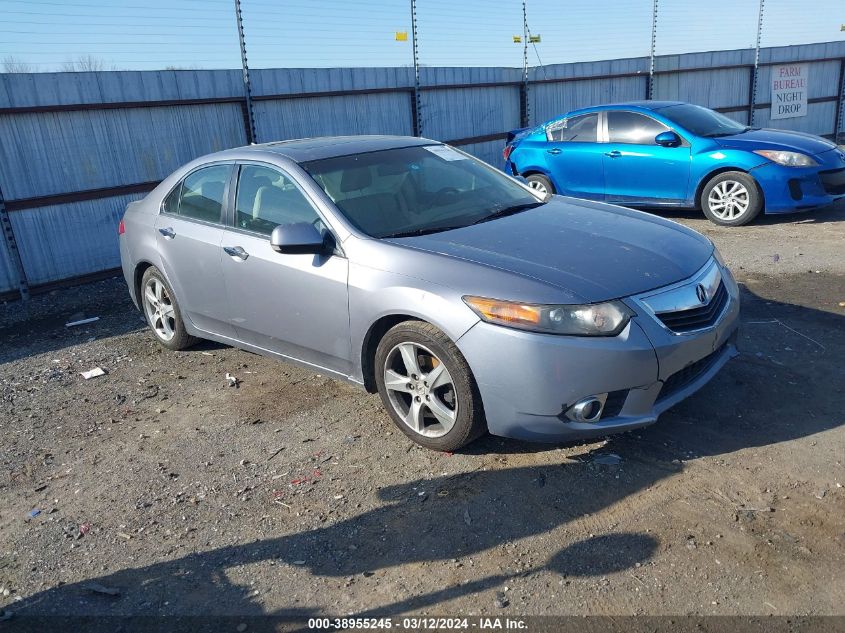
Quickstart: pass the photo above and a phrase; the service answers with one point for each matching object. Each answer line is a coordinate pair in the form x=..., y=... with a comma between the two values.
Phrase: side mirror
x=299, y=239
x=668, y=139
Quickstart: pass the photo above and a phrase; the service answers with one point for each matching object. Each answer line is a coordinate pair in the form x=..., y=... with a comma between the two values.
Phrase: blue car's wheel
x=731, y=198
x=541, y=184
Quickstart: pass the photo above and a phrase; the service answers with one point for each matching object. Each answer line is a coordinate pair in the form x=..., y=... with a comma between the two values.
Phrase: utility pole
x=650, y=87
x=524, y=114
x=753, y=96
x=250, y=119
x=417, y=113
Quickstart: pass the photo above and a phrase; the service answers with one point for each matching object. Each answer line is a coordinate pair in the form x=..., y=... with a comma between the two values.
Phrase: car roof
x=307, y=149
x=632, y=105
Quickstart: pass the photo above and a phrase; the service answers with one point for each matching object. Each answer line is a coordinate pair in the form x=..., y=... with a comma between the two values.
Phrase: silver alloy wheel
x=159, y=309
x=728, y=200
x=536, y=185
x=420, y=389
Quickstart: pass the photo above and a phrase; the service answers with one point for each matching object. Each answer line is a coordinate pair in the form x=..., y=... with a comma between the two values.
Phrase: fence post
x=839, y=123
x=752, y=99
x=416, y=110
x=251, y=136
x=524, y=115
x=650, y=88
x=12, y=247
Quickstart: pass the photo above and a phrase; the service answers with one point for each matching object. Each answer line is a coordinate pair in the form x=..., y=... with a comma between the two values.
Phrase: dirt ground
x=294, y=495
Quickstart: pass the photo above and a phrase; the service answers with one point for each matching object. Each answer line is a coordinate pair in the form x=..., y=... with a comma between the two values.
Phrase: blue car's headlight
x=788, y=159
x=598, y=319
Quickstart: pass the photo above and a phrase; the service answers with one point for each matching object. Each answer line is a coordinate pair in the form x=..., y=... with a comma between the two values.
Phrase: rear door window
x=577, y=129
x=200, y=195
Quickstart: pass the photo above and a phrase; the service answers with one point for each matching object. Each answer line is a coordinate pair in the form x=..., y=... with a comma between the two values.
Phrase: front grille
x=697, y=318
x=833, y=181
x=688, y=374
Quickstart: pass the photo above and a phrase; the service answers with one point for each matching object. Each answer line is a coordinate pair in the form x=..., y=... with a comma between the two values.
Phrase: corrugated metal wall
x=107, y=137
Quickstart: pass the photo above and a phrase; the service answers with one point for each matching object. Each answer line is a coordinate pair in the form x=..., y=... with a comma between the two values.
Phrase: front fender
x=375, y=294
x=715, y=160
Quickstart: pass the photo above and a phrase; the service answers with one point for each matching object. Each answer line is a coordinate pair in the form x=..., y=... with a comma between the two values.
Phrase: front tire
x=162, y=311
x=731, y=198
x=427, y=387
x=540, y=184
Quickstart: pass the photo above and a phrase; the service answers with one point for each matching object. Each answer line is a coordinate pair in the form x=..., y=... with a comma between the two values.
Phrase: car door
x=294, y=305
x=189, y=230
x=574, y=156
x=636, y=168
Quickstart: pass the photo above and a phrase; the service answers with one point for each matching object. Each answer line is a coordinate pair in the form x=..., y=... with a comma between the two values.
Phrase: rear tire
x=162, y=311
x=427, y=387
x=541, y=184
x=731, y=198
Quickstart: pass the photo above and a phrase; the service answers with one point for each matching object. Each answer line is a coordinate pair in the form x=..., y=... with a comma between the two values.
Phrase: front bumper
x=789, y=189
x=528, y=381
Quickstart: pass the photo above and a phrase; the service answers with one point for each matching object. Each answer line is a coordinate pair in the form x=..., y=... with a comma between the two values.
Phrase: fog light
x=588, y=409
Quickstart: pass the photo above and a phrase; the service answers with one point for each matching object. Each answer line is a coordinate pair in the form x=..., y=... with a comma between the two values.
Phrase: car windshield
x=702, y=121
x=417, y=190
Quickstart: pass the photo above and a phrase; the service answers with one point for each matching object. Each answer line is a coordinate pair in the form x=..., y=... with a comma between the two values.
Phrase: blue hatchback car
x=675, y=154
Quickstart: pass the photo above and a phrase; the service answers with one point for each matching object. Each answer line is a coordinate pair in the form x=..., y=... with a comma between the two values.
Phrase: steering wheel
x=443, y=195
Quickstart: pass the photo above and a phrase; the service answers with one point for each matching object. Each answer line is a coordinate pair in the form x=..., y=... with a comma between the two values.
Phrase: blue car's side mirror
x=667, y=139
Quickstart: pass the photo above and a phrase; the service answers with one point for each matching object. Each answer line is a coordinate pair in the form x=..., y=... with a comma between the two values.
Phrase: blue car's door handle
x=614, y=154
x=554, y=150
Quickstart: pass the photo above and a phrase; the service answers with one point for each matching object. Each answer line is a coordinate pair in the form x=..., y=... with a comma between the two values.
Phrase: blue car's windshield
x=702, y=121
x=417, y=190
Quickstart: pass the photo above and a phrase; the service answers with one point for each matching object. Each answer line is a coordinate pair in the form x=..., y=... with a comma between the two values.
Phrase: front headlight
x=598, y=319
x=788, y=159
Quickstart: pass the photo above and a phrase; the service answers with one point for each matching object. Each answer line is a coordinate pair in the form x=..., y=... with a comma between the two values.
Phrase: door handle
x=168, y=232
x=614, y=154
x=236, y=251
x=555, y=151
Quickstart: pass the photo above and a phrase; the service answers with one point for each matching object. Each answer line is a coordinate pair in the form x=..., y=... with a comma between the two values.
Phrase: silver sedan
x=468, y=301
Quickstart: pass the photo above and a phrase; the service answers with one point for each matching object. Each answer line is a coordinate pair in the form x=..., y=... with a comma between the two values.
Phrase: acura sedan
x=469, y=301
x=673, y=154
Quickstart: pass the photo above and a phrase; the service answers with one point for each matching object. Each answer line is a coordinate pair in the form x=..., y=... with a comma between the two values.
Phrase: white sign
x=789, y=91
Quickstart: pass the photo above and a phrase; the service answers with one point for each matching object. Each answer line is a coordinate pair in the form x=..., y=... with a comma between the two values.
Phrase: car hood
x=592, y=251
x=776, y=140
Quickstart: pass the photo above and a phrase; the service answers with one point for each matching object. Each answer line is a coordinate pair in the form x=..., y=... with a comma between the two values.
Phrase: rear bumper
x=128, y=269
x=528, y=381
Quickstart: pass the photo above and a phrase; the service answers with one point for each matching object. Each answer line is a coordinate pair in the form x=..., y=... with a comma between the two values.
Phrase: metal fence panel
x=554, y=99
x=56, y=152
x=275, y=81
x=69, y=240
x=489, y=151
x=387, y=113
x=462, y=113
x=721, y=88
x=819, y=119
x=42, y=89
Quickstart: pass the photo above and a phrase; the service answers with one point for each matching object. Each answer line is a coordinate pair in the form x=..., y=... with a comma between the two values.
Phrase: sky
x=150, y=34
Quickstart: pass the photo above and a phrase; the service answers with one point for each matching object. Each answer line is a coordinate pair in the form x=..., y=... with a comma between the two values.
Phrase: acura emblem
x=701, y=293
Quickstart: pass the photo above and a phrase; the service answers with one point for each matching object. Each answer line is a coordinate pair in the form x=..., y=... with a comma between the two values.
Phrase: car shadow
x=39, y=325
x=781, y=387
x=831, y=213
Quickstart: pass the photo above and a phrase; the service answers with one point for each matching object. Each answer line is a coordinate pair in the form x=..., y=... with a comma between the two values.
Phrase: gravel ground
x=294, y=495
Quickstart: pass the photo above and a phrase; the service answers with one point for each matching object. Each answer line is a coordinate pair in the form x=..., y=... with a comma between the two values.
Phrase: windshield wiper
x=716, y=134
x=511, y=210
x=424, y=231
